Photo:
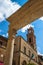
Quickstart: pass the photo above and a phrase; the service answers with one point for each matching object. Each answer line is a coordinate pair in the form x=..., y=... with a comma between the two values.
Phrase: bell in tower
x=31, y=39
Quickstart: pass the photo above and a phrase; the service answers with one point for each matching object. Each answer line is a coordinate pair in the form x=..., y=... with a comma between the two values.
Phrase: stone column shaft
x=10, y=48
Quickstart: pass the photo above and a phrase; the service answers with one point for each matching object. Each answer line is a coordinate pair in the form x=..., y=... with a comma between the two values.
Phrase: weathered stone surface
x=26, y=14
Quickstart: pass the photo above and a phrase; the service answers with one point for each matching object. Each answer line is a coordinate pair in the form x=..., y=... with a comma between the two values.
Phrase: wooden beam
x=32, y=10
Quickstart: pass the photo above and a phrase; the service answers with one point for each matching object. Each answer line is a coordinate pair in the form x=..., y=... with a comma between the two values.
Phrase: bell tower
x=31, y=39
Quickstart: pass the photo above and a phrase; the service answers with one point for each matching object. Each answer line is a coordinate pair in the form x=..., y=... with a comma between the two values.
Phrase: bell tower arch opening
x=24, y=62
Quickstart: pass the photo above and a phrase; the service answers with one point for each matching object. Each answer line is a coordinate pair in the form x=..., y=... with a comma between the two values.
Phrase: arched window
x=24, y=62
x=14, y=63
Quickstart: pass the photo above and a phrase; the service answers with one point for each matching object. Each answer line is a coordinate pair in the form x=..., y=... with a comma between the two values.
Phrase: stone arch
x=24, y=62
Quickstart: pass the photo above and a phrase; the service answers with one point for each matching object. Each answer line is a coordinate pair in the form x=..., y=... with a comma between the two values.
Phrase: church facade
x=40, y=59
x=24, y=51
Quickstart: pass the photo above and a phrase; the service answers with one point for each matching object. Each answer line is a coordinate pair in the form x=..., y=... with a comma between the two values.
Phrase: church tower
x=31, y=39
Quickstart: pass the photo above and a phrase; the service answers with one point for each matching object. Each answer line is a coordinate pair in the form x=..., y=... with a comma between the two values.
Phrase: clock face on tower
x=29, y=31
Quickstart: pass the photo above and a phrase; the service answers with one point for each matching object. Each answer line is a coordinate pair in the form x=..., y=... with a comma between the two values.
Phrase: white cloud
x=41, y=18
x=1, y=17
x=7, y=8
x=40, y=53
x=26, y=27
x=5, y=35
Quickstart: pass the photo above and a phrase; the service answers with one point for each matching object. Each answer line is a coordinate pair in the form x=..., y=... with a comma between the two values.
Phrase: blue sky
x=20, y=2
x=10, y=6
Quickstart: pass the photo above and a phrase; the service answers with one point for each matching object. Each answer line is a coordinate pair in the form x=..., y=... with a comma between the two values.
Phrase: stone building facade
x=40, y=57
x=24, y=51
x=3, y=45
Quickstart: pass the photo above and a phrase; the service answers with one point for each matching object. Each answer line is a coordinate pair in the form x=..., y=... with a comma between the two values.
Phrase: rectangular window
x=32, y=56
x=29, y=53
x=30, y=40
x=14, y=48
x=24, y=50
x=1, y=43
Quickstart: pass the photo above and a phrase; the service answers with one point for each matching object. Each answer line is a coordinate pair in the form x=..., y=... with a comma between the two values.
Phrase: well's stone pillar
x=10, y=47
